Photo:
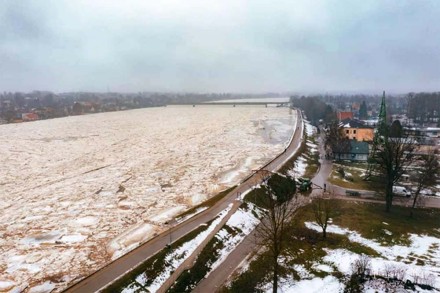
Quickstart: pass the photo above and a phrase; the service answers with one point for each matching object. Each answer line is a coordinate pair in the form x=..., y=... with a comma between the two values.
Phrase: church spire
x=382, y=121
x=380, y=136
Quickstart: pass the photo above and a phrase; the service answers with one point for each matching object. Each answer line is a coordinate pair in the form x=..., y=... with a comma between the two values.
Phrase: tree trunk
x=275, y=275
x=389, y=197
x=388, y=204
x=416, y=196
x=324, y=233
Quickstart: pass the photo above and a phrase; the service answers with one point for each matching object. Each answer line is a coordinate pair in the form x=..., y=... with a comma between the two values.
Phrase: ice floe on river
x=76, y=192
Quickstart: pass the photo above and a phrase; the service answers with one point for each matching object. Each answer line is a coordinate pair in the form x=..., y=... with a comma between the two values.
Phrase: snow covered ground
x=175, y=259
x=301, y=162
x=243, y=222
x=76, y=192
x=391, y=257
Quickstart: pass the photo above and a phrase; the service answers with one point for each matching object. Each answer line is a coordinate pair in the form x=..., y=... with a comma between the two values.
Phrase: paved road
x=217, y=278
x=127, y=262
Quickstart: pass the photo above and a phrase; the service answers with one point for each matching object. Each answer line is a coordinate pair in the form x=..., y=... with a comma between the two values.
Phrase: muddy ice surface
x=77, y=192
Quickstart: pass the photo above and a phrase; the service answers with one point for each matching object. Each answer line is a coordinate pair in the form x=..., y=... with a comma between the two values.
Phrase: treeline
x=315, y=109
x=46, y=105
x=424, y=107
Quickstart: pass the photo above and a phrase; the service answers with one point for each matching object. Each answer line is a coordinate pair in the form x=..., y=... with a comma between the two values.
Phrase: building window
x=354, y=131
x=347, y=131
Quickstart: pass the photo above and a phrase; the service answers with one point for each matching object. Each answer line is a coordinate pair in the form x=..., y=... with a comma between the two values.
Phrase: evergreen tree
x=363, y=114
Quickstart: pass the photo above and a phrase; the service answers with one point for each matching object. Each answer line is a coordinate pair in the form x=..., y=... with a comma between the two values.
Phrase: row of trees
x=398, y=153
x=315, y=109
x=424, y=107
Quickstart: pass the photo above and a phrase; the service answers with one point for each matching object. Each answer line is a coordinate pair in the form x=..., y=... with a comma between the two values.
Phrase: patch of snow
x=302, y=271
x=125, y=241
x=343, y=259
x=18, y=263
x=73, y=238
x=186, y=217
x=245, y=222
x=166, y=214
x=329, y=284
x=46, y=287
x=242, y=195
x=422, y=247
x=132, y=288
x=48, y=238
x=86, y=221
x=6, y=285
x=310, y=129
x=178, y=256
x=299, y=167
x=142, y=279
x=387, y=232
x=323, y=267
x=420, y=244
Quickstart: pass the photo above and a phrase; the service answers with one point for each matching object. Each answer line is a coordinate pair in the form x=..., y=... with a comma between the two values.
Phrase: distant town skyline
x=220, y=46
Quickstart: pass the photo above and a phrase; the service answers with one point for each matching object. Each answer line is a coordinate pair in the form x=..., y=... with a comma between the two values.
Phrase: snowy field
x=393, y=259
x=76, y=192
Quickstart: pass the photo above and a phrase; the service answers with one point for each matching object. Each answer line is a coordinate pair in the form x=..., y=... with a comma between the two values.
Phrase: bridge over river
x=233, y=104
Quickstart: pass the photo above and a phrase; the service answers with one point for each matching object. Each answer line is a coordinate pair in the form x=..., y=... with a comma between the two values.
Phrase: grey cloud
x=252, y=46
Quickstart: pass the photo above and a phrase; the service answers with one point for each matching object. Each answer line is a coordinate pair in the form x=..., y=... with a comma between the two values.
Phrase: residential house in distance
x=359, y=151
x=356, y=130
x=342, y=115
x=29, y=117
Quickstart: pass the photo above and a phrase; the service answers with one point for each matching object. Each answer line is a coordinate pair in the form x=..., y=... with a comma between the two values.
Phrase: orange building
x=344, y=115
x=354, y=129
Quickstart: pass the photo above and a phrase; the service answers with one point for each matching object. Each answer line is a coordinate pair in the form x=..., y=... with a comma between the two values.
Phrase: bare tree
x=272, y=231
x=427, y=177
x=393, y=158
x=322, y=210
x=335, y=140
x=361, y=266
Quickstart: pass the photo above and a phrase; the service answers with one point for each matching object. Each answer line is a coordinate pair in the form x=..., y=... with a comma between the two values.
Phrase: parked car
x=401, y=191
x=352, y=193
x=427, y=192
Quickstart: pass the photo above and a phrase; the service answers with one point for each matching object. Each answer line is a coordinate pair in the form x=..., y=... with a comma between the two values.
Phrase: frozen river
x=76, y=192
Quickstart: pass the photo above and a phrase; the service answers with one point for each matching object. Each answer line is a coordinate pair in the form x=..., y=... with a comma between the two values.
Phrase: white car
x=401, y=191
x=427, y=192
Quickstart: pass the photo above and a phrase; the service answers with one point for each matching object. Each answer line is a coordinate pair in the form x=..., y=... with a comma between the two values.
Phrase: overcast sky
x=220, y=46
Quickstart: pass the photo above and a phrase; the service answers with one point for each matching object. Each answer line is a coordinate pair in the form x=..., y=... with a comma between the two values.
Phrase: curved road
x=119, y=267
